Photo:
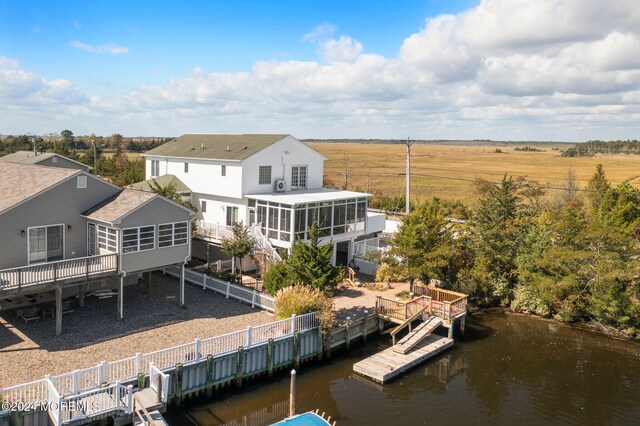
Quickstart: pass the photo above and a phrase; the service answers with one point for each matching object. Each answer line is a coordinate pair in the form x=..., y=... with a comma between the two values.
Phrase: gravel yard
x=93, y=334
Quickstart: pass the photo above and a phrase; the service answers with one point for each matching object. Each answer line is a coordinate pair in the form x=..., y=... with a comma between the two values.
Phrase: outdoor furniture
x=48, y=311
x=29, y=314
x=68, y=306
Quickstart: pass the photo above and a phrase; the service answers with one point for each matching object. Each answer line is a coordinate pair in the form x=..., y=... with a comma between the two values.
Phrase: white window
x=81, y=182
x=264, y=175
x=107, y=238
x=172, y=234
x=298, y=177
x=186, y=167
x=155, y=168
x=204, y=206
x=232, y=215
x=223, y=170
x=138, y=239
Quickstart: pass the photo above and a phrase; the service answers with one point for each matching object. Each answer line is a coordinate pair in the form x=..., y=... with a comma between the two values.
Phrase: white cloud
x=109, y=48
x=511, y=69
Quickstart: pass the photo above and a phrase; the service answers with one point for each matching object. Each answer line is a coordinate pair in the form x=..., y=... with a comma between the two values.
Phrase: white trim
x=64, y=241
x=173, y=234
x=138, y=228
x=306, y=176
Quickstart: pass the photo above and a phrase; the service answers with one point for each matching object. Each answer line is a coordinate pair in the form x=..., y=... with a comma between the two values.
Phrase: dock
x=388, y=364
x=433, y=307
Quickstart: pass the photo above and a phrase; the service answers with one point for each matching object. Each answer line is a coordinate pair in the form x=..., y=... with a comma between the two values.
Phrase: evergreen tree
x=599, y=186
x=239, y=245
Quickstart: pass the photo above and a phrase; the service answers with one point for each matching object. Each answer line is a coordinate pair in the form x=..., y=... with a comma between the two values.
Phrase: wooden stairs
x=418, y=334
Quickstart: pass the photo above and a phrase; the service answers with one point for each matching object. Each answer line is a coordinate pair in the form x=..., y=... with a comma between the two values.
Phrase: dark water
x=507, y=370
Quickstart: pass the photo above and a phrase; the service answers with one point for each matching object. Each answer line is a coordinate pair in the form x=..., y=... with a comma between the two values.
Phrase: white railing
x=53, y=402
x=229, y=290
x=360, y=248
x=263, y=243
x=16, y=278
x=76, y=384
x=214, y=230
x=159, y=382
x=86, y=405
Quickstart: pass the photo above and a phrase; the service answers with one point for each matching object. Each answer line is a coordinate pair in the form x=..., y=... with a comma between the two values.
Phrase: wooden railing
x=424, y=310
x=402, y=311
x=453, y=303
x=42, y=273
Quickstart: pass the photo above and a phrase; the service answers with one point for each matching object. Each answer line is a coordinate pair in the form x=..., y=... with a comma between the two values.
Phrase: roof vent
x=228, y=148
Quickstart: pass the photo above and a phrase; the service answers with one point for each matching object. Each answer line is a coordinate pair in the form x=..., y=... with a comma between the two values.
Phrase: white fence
x=229, y=290
x=92, y=379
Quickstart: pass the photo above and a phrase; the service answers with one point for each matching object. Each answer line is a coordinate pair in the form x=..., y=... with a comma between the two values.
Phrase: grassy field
x=448, y=171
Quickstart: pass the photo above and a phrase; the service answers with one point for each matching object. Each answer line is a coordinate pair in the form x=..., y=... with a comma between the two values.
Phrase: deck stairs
x=418, y=334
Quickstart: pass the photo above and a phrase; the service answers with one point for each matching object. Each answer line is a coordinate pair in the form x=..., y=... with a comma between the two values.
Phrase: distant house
x=271, y=182
x=65, y=232
x=44, y=159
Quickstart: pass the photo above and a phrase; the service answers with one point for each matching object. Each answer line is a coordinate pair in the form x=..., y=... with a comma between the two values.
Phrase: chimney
x=202, y=145
x=228, y=148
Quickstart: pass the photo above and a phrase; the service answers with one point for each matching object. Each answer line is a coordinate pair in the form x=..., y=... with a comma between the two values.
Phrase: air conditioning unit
x=280, y=185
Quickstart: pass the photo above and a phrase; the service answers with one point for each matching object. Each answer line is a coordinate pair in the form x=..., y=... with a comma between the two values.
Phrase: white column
x=121, y=298
x=333, y=255
x=182, y=285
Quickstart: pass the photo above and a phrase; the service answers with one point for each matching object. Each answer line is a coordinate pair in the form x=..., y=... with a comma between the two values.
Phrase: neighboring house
x=162, y=181
x=65, y=232
x=44, y=159
x=272, y=182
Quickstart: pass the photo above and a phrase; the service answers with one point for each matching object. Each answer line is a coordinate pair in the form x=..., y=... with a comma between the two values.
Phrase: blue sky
x=500, y=69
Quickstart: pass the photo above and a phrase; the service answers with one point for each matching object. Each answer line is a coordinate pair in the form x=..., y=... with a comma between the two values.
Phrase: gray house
x=65, y=232
x=44, y=159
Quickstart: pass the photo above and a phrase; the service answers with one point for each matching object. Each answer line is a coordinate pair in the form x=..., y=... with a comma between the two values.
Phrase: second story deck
x=38, y=277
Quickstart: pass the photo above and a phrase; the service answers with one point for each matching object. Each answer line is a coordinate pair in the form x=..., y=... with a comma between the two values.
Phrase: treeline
x=115, y=167
x=574, y=257
x=590, y=148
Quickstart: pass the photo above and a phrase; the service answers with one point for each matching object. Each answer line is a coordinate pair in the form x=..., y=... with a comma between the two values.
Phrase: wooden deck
x=147, y=409
x=414, y=337
x=388, y=364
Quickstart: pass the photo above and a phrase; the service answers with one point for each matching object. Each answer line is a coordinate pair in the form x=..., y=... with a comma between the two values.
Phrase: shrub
x=277, y=277
x=301, y=299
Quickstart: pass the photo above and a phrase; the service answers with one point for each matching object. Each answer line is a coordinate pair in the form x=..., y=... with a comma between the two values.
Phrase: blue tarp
x=306, y=419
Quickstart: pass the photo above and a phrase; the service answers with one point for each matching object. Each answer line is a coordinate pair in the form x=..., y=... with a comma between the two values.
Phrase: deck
x=388, y=364
x=39, y=277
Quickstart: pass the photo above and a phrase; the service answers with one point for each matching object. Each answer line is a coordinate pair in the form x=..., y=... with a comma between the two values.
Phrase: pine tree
x=239, y=245
x=309, y=263
x=598, y=185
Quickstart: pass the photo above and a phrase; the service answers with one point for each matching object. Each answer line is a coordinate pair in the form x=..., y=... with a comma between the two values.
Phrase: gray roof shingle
x=19, y=182
x=218, y=147
x=119, y=205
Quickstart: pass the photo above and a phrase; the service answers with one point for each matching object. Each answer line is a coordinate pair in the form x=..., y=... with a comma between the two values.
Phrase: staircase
x=265, y=251
x=415, y=336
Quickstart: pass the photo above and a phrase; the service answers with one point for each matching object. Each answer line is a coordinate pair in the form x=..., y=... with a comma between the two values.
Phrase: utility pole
x=407, y=207
x=95, y=162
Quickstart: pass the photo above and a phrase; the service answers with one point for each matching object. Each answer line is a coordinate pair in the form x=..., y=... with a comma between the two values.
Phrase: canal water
x=507, y=370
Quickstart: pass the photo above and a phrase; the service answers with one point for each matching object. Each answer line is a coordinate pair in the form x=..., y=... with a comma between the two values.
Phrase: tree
x=308, y=264
x=239, y=245
x=424, y=243
x=599, y=186
x=170, y=191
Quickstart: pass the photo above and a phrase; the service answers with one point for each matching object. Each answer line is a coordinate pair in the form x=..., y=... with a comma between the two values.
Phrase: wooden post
x=58, y=311
x=121, y=299
x=209, y=384
x=296, y=349
x=451, y=324
x=159, y=387
x=292, y=394
x=364, y=325
x=319, y=348
x=347, y=327
x=270, y=357
x=81, y=292
x=463, y=320
x=178, y=384
x=239, y=366
x=182, y=305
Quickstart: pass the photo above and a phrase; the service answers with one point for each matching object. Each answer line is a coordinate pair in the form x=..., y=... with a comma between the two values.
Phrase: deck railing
x=455, y=303
x=403, y=310
x=16, y=278
x=214, y=230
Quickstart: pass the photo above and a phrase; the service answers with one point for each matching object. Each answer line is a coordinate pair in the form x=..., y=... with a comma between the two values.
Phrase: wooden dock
x=148, y=409
x=388, y=364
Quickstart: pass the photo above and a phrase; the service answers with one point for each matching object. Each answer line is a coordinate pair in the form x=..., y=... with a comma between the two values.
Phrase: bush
x=388, y=273
x=301, y=299
x=277, y=277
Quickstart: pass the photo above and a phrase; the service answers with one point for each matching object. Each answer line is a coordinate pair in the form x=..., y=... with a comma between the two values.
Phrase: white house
x=273, y=182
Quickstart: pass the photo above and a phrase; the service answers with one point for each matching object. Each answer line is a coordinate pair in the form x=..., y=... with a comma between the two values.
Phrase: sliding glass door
x=46, y=244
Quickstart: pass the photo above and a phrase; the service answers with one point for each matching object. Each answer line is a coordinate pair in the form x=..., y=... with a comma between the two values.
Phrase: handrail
x=408, y=322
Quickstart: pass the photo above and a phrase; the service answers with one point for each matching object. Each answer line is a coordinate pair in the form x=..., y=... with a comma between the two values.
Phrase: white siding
x=216, y=208
x=276, y=156
x=204, y=176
